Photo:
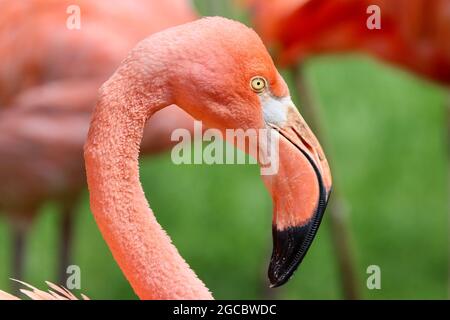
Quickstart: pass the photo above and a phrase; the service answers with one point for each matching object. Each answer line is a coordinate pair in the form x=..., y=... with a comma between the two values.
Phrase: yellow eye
x=258, y=84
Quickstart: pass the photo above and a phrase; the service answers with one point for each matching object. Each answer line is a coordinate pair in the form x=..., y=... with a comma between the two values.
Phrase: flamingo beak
x=300, y=190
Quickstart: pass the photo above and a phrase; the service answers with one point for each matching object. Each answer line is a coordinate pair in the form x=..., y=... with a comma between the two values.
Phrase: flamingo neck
x=143, y=250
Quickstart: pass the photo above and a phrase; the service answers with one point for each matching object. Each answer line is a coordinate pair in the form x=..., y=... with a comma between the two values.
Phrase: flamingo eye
x=258, y=84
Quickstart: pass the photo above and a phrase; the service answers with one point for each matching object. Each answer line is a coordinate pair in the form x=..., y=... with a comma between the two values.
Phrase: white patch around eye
x=275, y=109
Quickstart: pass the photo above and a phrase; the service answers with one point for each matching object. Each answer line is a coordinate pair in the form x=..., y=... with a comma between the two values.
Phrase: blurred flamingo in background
x=49, y=79
x=414, y=35
x=238, y=89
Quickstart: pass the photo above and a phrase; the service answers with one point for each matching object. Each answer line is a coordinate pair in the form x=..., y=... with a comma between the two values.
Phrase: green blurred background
x=385, y=132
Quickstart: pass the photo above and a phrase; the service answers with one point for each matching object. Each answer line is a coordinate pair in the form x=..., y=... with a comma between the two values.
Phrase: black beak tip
x=290, y=246
x=277, y=282
x=287, y=253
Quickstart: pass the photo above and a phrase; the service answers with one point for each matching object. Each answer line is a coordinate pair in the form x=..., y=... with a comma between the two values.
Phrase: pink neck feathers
x=143, y=250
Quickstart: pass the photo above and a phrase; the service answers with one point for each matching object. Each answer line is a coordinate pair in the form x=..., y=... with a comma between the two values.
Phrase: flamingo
x=36, y=46
x=220, y=72
x=47, y=96
x=414, y=33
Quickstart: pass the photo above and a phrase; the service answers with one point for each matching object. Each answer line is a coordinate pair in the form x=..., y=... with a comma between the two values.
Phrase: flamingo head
x=226, y=77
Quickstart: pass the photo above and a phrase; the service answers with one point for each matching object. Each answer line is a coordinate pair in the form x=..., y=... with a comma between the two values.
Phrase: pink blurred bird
x=49, y=78
x=414, y=34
